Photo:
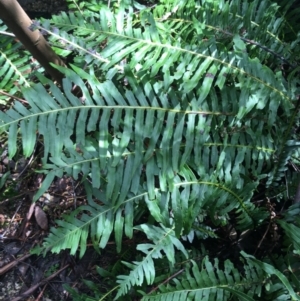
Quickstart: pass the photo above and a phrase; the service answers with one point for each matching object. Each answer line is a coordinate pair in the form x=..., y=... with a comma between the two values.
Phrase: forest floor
x=24, y=224
x=41, y=8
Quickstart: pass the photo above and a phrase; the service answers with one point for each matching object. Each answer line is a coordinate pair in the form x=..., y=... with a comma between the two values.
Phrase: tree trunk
x=18, y=22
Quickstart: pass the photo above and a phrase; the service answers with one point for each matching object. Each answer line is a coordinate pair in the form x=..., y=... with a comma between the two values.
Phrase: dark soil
x=42, y=8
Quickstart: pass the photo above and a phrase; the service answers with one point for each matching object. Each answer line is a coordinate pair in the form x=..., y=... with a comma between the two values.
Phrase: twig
x=264, y=236
x=13, y=96
x=12, y=264
x=260, y=46
x=34, y=287
x=167, y=280
x=39, y=297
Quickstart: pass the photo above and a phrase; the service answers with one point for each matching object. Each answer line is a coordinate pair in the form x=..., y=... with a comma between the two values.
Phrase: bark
x=18, y=22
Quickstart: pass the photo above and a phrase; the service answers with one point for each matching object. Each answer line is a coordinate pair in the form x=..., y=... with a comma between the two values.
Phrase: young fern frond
x=164, y=240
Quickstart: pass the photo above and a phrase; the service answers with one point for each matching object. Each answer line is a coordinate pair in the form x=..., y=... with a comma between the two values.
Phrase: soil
x=42, y=8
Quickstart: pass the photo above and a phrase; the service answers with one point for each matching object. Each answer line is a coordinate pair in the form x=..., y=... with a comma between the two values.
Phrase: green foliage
x=164, y=240
x=15, y=66
x=209, y=282
x=185, y=111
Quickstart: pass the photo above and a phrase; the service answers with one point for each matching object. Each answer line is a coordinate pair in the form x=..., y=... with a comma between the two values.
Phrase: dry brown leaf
x=41, y=217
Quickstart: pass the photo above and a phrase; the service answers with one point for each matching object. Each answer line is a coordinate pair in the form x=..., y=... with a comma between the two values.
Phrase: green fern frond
x=164, y=240
x=289, y=287
x=15, y=64
x=164, y=129
x=96, y=221
x=281, y=162
x=209, y=282
x=153, y=50
x=225, y=19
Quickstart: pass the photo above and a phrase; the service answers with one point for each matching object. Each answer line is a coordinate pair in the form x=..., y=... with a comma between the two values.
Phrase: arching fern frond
x=208, y=282
x=164, y=240
x=98, y=221
x=159, y=133
x=145, y=44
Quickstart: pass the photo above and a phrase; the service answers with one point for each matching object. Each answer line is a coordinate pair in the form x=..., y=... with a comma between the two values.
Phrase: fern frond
x=15, y=66
x=97, y=221
x=281, y=163
x=209, y=282
x=164, y=239
x=271, y=270
x=158, y=133
x=154, y=50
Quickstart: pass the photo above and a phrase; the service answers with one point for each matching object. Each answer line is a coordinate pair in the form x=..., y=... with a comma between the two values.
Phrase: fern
x=119, y=156
x=183, y=128
x=15, y=66
x=164, y=239
x=209, y=282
